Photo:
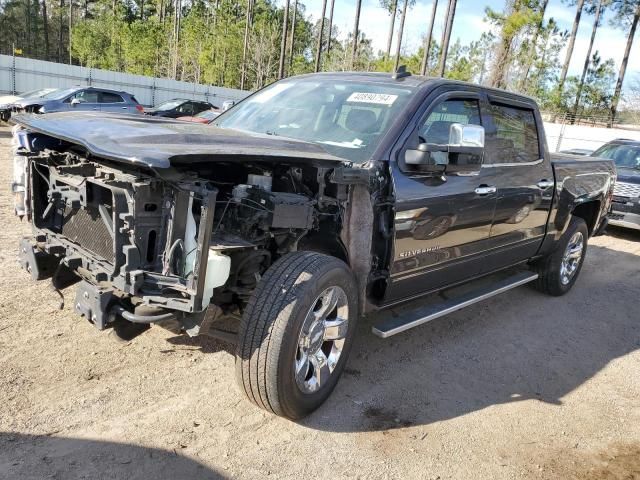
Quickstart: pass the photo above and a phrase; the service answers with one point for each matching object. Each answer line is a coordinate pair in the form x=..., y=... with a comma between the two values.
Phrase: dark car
x=310, y=203
x=80, y=99
x=626, y=193
x=179, y=107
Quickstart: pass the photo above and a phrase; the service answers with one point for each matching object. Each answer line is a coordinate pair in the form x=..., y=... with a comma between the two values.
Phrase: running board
x=422, y=315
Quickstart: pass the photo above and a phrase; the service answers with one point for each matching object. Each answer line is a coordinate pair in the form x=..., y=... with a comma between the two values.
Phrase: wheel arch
x=590, y=212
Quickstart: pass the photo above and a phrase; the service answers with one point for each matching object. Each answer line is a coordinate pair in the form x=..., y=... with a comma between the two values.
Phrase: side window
x=86, y=96
x=516, y=137
x=186, y=108
x=435, y=128
x=108, y=97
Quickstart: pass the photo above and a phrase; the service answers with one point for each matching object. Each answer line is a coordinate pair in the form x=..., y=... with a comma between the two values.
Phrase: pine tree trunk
x=587, y=60
x=534, y=45
x=356, y=33
x=283, y=42
x=330, y=26
x=400, y=33
x=623, y=66
x=320, y=34
x=293, y=33
x=70, y=27
x=572, y=41
x=446, y=37
x=45, y=27
x=245, y=45
x=427, y=47
x=392, y=23
x=60, y=31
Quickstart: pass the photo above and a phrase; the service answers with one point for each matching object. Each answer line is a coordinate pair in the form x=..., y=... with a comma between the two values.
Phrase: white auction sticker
x=377, y=98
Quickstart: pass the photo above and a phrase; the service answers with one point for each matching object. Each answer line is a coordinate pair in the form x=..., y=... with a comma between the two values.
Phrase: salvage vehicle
x=625, y=209
x=6, y=101
x=295, y=213
x=80, y=99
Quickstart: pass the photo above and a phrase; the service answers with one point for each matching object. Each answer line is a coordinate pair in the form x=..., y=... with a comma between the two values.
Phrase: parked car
x=626, y=193
x=287, y=219
x=205, y=117
x=78, y=99
x=179, y=107
x=7, y=101
x=578, y=151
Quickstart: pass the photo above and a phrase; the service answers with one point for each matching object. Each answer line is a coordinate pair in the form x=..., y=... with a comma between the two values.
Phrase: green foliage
x=203, y=41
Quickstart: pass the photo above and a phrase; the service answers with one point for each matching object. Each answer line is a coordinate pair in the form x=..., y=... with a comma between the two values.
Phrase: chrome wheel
x=321, y=339
x=571, y=258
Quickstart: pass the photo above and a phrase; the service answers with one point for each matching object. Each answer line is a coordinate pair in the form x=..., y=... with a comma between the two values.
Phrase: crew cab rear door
x=442, y=222
x=515, y=154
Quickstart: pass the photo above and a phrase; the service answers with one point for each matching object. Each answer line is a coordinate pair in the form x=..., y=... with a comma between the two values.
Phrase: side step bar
x=420, y=316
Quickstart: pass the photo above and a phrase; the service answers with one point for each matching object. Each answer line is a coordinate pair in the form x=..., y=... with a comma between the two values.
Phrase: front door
x=442, y=224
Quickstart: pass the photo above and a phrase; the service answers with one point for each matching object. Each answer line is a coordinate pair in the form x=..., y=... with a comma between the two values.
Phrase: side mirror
x=75, y=101
x=463, y=153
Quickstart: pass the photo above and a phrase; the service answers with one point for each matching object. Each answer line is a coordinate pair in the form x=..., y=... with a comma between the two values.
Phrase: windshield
x=170, y=105
x=59, y=94
x=208, y=114
x=37, y=93
x=623, y=155
x=347, y=118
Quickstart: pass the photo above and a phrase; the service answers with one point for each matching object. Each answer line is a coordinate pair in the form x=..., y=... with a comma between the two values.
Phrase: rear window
x=515, y=139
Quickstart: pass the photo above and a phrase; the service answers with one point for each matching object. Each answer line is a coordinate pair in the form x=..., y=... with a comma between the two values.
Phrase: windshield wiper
x=271, y=132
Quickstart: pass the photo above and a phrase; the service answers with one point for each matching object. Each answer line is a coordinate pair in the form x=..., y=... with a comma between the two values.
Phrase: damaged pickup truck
x=315, y=201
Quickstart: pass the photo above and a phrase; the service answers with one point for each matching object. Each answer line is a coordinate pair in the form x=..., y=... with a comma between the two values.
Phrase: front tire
x=296, y=333
x=559, y=270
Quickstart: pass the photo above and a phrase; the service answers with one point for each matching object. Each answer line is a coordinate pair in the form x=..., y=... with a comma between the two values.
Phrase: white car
x=7, y=100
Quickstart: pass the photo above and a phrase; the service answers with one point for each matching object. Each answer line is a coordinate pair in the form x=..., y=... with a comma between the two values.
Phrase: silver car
x=81, y=98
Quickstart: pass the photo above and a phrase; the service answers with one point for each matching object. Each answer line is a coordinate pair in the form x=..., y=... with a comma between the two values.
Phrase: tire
x=553, y=278
x=281, y=327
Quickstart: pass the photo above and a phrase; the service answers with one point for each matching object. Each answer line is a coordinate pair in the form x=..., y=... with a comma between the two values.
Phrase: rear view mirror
x=75, y=101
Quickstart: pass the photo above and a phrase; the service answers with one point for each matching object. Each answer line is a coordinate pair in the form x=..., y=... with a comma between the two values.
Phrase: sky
x=469, y=25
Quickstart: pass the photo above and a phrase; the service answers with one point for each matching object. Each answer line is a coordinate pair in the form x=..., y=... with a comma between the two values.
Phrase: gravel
x=519, y=386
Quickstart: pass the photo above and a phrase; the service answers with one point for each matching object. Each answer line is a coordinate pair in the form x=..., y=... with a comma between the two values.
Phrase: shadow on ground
x=75, y=458
x=519, y=346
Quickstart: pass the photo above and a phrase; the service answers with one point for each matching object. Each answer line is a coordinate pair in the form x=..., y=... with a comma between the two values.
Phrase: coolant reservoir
x=218, y=268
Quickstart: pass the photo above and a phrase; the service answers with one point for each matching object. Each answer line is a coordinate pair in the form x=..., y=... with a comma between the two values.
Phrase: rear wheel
x=559, y=271
x=296, y=333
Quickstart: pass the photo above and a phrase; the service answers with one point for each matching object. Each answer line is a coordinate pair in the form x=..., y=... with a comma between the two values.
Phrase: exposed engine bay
x=172, y=243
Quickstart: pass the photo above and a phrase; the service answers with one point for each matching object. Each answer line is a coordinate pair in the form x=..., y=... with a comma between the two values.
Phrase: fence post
x=13, y=72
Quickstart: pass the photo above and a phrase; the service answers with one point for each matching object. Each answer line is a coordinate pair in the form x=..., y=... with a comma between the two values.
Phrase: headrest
x=361, y=121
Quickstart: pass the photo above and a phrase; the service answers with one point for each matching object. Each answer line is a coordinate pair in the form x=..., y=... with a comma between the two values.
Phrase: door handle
x=544, y=184
x=485, y=189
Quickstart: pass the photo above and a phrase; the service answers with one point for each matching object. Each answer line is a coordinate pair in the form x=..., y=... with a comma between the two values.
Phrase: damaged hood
x=160, y=143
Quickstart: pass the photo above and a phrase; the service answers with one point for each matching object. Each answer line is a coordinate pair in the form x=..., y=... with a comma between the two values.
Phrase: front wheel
x=559, y=271
x=296, y=333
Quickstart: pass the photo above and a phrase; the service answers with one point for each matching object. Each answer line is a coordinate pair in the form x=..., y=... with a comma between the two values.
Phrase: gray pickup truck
x=313, y=202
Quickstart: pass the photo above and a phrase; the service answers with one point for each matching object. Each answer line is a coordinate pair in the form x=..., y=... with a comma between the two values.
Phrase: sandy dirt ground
x=520, y=386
